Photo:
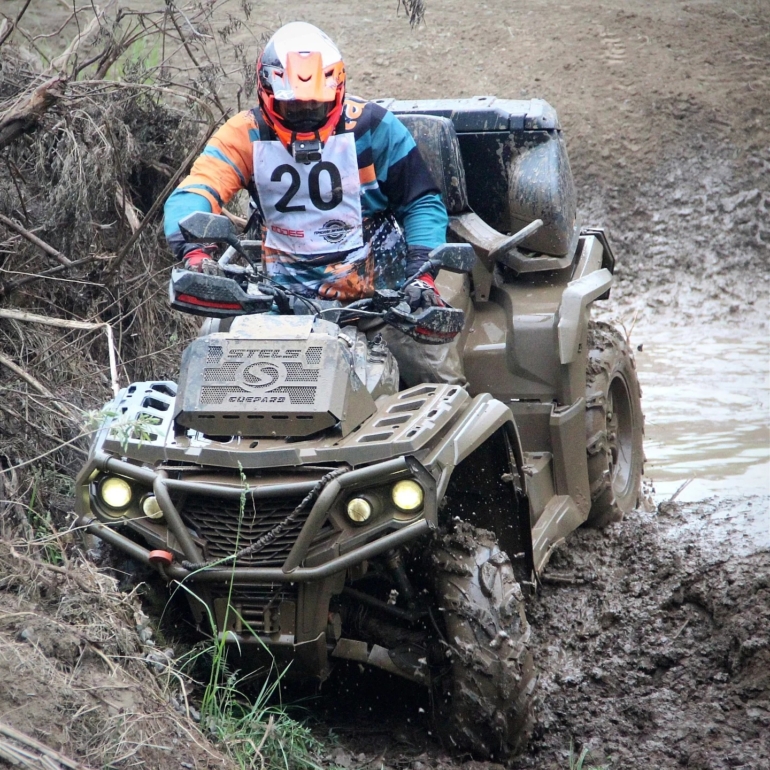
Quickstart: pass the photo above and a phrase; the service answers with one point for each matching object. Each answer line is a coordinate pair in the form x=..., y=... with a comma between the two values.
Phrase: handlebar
x=244, y=290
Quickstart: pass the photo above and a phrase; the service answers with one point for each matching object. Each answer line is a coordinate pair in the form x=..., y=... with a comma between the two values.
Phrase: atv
x=313, y=510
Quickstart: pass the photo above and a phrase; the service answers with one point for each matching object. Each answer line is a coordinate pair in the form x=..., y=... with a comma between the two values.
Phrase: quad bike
x=314, y=511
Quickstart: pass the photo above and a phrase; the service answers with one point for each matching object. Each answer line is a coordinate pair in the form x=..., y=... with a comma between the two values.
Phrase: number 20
x=314, y=187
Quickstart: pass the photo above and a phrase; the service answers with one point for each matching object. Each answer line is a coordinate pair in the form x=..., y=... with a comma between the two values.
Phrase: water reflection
x=706, y=396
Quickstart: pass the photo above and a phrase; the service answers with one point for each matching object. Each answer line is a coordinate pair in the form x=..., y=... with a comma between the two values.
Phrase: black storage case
x=516, y=164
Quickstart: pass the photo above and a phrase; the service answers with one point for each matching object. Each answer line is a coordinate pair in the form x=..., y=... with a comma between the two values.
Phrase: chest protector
x=310, y=209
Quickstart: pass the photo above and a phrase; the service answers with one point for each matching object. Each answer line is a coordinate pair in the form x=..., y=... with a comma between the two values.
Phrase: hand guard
x=422, y=293
x=200, y=261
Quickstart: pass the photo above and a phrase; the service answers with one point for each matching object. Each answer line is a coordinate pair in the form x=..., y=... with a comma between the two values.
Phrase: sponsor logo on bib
x=333, y=231
x=288, y=233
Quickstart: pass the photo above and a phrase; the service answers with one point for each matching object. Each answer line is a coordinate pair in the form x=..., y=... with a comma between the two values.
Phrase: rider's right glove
x=422, y=293
x=200, y=261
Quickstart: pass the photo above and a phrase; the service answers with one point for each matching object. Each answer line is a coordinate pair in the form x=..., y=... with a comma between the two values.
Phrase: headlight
x=359, y=510
x=115, y=492
x=407, y=495
x=151, y=507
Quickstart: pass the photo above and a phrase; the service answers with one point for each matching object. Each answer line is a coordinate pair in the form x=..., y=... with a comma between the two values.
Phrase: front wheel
x=614, y=426
x=484, y=696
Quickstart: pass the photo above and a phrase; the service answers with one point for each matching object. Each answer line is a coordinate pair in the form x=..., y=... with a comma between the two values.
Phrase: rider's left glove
x=422, y=293
x=200, y=261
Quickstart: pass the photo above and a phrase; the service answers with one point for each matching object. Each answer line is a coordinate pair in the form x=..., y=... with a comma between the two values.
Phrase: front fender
x=482, y=418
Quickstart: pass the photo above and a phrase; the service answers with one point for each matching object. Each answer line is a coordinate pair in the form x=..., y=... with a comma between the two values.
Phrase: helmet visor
x=303, y=116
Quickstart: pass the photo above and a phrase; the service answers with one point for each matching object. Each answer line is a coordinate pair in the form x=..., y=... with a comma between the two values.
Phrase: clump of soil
x=76, y=670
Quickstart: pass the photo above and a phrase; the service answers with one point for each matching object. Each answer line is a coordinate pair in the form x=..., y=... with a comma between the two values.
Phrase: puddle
x=706, y=398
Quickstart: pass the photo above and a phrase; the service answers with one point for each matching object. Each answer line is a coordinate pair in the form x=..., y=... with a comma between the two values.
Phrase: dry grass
x=97, y=125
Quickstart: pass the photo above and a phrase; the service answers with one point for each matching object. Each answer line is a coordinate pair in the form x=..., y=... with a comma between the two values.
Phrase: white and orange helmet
x=301, y=83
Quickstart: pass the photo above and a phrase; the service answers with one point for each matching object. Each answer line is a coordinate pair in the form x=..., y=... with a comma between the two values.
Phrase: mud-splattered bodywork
x=242, y=478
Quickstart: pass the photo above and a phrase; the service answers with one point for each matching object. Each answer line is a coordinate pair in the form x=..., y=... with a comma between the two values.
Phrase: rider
x=345, y=203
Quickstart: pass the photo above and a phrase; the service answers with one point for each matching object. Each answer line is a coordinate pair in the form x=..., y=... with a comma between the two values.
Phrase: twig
x=13, y=413
x=57, y=569
x=12, y=25
x=61, y=61
x=681, y=628
x=681, y=489
x=31, y=743
x=21, y=315
x=32, y=238
x=160, y=200
x=19, y=120
x=191, y=54
x=51, y=272
x=128, y=209
x=39, y=387
x=45, y=454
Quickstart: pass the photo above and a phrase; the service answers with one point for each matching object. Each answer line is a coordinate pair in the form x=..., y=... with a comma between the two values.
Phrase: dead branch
x=21, y=315
x=10, y=26
x=25, y=758
x=12, y=286
x=32, y=238
x=127, y=208
x=61, y=62
x=23, y=118
x=38, y=386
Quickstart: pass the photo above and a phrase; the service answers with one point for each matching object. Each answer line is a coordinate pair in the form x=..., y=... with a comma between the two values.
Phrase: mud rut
x=651, y=636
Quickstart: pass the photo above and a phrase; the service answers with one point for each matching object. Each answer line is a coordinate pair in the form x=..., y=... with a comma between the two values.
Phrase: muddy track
x=651, y=642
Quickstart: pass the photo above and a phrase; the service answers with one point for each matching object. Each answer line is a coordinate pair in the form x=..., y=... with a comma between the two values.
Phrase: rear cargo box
x=516, y=164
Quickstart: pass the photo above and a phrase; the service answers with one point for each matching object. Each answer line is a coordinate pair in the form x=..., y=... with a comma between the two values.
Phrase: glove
x=422, y=293
x=200, y=261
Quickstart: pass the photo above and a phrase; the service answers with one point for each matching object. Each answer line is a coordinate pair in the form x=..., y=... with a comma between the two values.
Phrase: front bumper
x=350, y=547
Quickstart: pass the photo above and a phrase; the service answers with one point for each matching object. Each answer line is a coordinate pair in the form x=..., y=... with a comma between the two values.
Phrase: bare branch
x=23, y=118
x=9, y=288
x=38, y=386
x=9, y=28
x=32, y=238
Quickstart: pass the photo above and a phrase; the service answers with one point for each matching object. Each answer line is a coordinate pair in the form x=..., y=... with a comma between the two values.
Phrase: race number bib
x=310, y=209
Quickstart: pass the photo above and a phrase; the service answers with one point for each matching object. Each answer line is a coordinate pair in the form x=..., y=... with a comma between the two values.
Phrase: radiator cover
x=271, y=376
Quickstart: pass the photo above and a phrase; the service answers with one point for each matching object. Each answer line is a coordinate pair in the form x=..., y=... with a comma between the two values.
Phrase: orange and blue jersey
x=400, y=202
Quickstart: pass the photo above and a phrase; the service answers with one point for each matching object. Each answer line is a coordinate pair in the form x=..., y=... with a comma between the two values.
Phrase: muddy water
x=706, y=397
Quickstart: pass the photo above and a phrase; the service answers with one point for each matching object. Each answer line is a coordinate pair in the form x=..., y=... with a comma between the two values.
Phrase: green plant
x=43, y=530
x=254, y=728
x=122, y=428
x=577, y=762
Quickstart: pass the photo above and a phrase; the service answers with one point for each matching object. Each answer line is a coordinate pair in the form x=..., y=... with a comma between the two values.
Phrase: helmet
x=301, y=83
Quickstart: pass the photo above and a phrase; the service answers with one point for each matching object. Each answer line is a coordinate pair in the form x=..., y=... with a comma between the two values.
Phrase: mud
x=652, y=636
x=80, y=670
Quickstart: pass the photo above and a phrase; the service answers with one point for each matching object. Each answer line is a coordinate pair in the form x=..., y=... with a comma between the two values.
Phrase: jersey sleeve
x=406, y=181
x=223, y=168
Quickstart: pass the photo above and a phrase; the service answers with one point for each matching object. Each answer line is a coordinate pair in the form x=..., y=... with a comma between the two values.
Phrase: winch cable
x=276, y=531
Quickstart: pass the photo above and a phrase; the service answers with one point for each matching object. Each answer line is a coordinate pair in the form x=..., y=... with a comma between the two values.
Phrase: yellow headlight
x=151, y=507
x=115, y=492
x=407, y=495
x=359, y=510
